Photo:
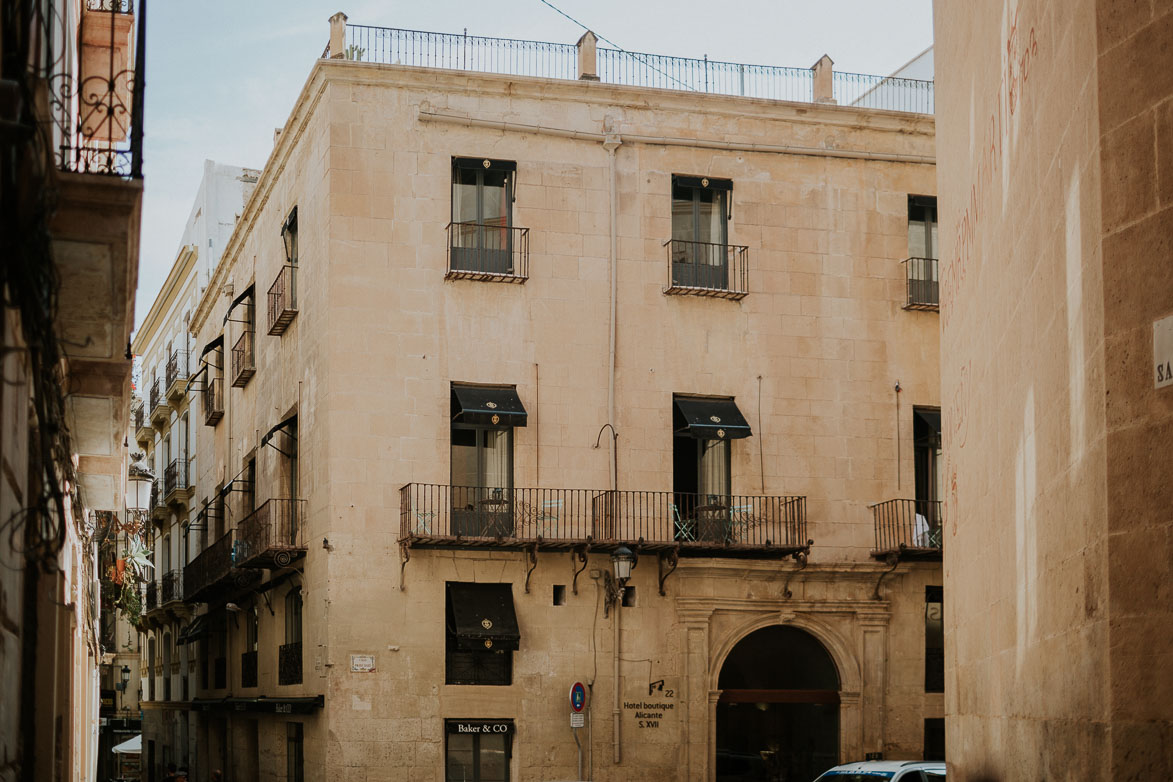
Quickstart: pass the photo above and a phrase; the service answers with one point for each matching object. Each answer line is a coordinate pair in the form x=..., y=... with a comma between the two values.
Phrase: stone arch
x=843, y=655
x=841, y=651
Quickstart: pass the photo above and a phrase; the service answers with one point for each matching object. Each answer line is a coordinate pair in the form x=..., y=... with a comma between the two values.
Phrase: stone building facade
x=165, y=433
x=1056, y=157
x=477, y=335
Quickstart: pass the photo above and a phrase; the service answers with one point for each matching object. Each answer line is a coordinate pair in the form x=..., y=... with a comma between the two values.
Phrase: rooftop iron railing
x=908, y=526
x=542, y=59
x=444, y=515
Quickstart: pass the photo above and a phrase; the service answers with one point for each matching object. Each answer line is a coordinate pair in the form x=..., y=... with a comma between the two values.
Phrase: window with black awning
x=490, y=406
x=482, y=617
x=708, y=418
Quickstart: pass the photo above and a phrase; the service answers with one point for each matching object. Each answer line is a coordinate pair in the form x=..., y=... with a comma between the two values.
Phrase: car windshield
x=856, y=776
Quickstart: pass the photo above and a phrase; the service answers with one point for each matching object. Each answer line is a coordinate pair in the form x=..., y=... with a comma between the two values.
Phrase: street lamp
x=138, y=486
x=125, y=679
x=623, y=560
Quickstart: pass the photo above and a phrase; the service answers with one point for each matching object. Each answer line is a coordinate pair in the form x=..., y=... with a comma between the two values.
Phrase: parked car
x=894, y=770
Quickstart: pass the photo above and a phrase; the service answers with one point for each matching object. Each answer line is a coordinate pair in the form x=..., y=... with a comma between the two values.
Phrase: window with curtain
x=482, y=214
x=482, y=477
x=700, y=231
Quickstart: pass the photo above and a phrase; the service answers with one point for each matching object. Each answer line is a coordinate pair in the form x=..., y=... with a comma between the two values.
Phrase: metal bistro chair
x=685, y=529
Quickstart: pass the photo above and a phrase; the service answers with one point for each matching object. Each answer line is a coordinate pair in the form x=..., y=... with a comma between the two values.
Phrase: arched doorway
x=778, y=715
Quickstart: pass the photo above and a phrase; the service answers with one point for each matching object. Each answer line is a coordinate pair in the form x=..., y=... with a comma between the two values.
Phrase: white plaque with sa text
x=1163, y=352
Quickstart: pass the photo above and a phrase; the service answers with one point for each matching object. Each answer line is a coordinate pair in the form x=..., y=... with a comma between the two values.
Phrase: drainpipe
x=611, y=142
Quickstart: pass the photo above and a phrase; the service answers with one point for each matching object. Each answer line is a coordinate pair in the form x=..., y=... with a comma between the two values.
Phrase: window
x=922, y=226
x=483, y=418
x=934, y=743
x=928, y=463
x=242, y=311
x=481, y=234
x=289, y=655
x=921, y=271
x=700, y=232
x=934, y=640
x=283, y=292
x=294, y=752
x=248, y=659
x=701, y=471
x=477, y=750
x=249, y=494
x=481, y=633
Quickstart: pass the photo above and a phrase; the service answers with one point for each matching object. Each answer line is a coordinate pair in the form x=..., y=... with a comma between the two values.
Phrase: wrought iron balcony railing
x=152, y=597
x=703, y=525
x=143, y=432
x=175, y=481
x=289, y=663
x=95, y=81
x=924, y=286
x=159, y=411
x=547, y=60
x=176, y=374
x=273, y=535
x=283, y=300
x=213, y=573
x=243, y=363
x=707, y=269
x=248, y=669
x=158, y=502
x=172, y=587
x=496, y=253
x=908, y=527
x=213, y=401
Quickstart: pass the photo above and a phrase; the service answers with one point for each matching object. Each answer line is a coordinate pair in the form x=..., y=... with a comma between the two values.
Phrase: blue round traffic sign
x=577, y=696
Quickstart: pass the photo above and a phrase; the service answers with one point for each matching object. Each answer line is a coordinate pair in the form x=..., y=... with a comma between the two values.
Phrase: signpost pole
x=577, y=718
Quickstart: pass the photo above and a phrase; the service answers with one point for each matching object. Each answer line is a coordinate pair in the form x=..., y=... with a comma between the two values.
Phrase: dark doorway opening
x=778, y=716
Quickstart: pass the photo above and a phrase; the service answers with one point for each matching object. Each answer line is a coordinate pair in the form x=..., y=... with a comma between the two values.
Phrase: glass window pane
x=464, y=196
x=460, y=758
x=494, y=760
x=711, y=226
x=495, y=198
x=683, y=228
x=932, y=248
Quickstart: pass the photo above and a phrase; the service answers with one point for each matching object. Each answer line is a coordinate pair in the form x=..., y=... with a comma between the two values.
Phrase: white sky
x=222, y=75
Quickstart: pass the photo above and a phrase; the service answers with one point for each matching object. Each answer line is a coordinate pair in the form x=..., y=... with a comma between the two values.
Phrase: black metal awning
x=708, y=418
x=260, y=705
x=283, y=425
x=218, y=342
x=195, y=630
x=484, y=163
x=483, y=616
x=702, y=182
x=494, y=406
x=246, y=294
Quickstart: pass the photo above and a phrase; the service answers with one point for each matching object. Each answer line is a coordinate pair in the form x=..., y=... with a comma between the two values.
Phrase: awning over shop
x=261, y=705
x=488, y=406
x=709, y=418
x=483, y=616
x=132, y=746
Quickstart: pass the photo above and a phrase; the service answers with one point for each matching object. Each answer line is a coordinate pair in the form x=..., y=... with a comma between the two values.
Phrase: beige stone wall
x=1052, y=215
x=380, y=335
